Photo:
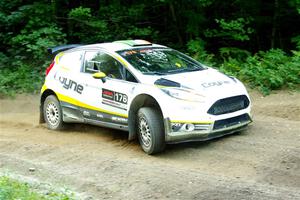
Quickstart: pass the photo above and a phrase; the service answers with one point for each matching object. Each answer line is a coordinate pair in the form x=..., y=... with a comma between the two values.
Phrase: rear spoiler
x=57, y=49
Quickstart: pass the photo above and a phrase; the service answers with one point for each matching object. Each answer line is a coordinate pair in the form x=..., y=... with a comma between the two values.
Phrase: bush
x=196, y=48
x=296, y=40
x=269, y=70
x=29, y=31
x=20, y=79
x=34, y=44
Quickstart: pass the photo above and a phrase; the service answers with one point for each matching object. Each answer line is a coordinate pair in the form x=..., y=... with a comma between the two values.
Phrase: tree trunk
x=174, y=18
x=274, y=26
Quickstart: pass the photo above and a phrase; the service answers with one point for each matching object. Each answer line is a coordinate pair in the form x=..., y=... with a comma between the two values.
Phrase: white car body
x=114, y=102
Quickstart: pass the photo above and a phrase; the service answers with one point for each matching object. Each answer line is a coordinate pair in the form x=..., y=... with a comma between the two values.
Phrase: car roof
x=120, y=45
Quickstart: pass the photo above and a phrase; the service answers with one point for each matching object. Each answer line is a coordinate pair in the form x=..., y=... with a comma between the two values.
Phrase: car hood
x=207, y=82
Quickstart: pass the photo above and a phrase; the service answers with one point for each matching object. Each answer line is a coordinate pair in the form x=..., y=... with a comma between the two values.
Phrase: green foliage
x=236, y=29
x=197, y=49
x=84, y=27
x=126, y=22
x=268, y=71
x=29, y=31
x=296, y=40
x=295, y=4
x=12, y=189
x=34, y=43
x=233, y=53
x=81, y=13
x=20, y=79
x=231, y=67
x=112, y=22
x=212, y=31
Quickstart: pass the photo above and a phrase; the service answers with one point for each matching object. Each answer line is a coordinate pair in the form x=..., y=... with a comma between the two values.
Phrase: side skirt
x=76, y=114
x=107, y=124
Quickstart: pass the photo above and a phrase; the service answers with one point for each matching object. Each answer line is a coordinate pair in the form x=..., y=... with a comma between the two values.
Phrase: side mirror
x=99, y=75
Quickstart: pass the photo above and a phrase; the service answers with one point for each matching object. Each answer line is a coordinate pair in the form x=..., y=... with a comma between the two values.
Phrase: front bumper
x=207, y=131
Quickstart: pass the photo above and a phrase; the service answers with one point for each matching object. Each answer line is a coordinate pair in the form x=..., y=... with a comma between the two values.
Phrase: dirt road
x=261, y=163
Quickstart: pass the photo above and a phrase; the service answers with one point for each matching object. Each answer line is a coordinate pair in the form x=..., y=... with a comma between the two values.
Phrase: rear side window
x=92, y=62
x=71, y=60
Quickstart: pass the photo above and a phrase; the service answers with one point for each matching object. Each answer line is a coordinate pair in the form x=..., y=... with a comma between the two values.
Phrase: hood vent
x=166, y=83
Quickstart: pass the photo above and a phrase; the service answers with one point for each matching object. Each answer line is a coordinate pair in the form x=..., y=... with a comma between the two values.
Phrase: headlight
x=184, y=94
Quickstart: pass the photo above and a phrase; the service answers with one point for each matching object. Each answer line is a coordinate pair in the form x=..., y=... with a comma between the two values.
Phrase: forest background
x=257, y=41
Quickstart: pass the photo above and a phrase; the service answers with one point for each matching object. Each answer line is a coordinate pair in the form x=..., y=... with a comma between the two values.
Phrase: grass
x=11, y=189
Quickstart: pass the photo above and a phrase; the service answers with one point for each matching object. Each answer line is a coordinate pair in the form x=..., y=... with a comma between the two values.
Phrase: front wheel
x=53, y=113
x=151, y=130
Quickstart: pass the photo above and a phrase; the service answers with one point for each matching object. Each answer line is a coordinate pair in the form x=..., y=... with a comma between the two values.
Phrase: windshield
x=160, y=61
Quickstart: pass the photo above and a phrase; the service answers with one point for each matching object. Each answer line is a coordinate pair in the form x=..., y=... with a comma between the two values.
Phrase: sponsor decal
x=119, y=119
x=114, y=96
x=115, y=99
x=100, y=116
x=71, y=85
x=107, y=94
x=212, y=84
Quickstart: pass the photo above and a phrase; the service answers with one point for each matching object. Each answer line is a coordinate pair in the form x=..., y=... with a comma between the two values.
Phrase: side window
x=110, y=66
x=71, y=60
x=99, y=61
x=129, y=77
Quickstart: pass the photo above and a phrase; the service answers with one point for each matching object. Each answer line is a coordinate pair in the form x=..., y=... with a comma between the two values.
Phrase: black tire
x=150, y=130
x=53, y=113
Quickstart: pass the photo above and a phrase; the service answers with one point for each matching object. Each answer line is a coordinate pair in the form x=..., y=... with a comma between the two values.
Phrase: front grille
x=229, y=105
x=224, y=123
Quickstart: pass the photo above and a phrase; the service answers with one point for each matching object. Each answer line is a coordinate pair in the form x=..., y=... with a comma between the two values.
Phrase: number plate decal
x=115, y=99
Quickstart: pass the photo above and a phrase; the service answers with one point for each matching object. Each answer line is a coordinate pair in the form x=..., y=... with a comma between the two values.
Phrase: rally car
x=156, y=93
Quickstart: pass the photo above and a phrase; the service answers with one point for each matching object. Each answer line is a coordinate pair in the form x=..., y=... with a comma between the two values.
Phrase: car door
x=105, y=101
x=66, y=85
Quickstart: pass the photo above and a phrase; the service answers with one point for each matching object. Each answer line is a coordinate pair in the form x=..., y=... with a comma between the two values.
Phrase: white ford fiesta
x=156, y=93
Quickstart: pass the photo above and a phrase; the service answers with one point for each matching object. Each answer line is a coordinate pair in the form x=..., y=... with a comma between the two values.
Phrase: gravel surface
x=263, y=162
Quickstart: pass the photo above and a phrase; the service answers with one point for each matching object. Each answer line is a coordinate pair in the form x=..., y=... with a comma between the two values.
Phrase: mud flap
x=41, y=120
x=132, y=130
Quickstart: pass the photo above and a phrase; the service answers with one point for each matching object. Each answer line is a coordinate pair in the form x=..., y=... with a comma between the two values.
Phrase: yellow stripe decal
x=122, y=61
x=58, y=57
x=83, y=105
x=44, y=87
x=57, y=62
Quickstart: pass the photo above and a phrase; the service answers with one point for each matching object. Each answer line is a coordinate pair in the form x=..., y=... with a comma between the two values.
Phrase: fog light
x=182, y=127
x=189, y=127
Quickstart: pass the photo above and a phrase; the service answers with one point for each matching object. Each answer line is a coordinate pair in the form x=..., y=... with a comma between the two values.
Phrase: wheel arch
x=44, y=95
x=142, y=100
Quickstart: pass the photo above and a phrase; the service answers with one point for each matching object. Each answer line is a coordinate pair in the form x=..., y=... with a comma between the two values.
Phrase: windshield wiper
x=156, y=73
x=191, y=70
x=184, y=70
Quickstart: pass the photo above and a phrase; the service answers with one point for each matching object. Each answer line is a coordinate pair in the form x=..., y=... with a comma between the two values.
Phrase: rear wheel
x=53, y=113
x=150, y=130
